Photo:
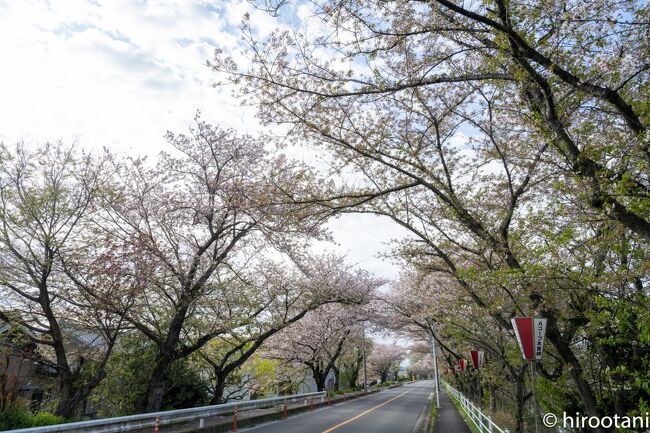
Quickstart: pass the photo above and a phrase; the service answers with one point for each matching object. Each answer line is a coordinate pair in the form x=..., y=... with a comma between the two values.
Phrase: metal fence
x=173, y=420
x=483, y=422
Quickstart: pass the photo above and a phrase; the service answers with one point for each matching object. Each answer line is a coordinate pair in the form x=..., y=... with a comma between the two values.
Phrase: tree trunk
x=356, y=367
x=493, y=398
x=319, y=378
x=167, y=354
x=156, y=386
x=575, y=370
x=320, y=383
x=337, y=378
x=520, y=391
x=66, y=405
x=384, y=375
x=67, y=390
x=354, y=379
x=219, y=387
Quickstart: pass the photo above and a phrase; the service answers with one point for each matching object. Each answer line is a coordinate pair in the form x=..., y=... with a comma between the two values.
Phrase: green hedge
x=15, y=418
x=342, y=391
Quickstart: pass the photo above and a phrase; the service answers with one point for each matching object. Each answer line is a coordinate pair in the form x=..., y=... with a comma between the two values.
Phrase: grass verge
x=433, y=414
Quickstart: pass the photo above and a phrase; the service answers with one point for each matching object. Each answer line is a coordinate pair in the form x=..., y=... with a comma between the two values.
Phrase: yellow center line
x=365, y=412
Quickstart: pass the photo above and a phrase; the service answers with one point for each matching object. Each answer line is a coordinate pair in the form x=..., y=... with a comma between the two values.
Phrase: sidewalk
x=448, y=419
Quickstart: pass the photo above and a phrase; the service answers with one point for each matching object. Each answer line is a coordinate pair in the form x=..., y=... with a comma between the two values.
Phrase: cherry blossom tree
x=508, y=139
x=349, y=370
x=384, y=358
x=423, y=367
x=204, y=219
x=49, y=196
x=322, y=337
x=419, y=308
x=318, y=303
x=564, y=70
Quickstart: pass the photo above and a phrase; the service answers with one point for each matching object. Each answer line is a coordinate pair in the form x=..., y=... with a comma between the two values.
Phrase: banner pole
x=533, y=375
x=480, y=391
x=435, y=368
x=365, y=365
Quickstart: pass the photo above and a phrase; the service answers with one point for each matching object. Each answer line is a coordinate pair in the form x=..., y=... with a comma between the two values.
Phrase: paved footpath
x=449, y=420
x=395, y=410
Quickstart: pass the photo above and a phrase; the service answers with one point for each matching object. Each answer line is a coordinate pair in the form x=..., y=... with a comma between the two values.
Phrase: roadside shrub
x=13, y=418
x=127, y=375
x=344, y=390
x=16, y=417
x=46, y=418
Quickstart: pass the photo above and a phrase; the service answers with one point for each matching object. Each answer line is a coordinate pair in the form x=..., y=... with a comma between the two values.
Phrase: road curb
x=422, y=425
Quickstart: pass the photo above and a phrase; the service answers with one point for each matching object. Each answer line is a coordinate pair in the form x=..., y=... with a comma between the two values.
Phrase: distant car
x=373, y=382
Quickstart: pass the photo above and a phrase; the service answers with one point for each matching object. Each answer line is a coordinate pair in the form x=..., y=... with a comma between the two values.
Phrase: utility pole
x=435, y=367
x=363, y=348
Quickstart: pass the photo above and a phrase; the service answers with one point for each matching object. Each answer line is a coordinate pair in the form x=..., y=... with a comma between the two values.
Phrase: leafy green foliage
x=185, y=387
x=17, y=417
x=621, y=328
x=128, y=373
x=126, y=380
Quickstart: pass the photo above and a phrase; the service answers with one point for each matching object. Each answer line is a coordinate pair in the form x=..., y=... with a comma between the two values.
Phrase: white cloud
x=119, y=73
x=112, y=73
x=362, y=238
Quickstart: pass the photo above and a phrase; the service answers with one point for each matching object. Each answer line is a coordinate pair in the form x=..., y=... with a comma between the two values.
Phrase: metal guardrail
x=148, y=421
x=483, y=422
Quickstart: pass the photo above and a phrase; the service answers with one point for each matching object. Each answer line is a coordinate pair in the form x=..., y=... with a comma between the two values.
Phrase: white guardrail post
x=140, y=422
x=482, y=422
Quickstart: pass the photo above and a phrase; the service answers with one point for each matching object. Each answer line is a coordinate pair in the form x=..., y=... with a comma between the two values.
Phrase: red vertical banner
x=524, y=331
x=462, y=362
x=478, y=358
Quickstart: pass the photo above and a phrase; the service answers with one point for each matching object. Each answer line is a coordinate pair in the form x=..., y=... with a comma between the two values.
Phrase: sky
x=119, y=74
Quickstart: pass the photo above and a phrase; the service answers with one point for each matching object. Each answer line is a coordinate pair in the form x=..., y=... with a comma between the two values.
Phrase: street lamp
x=363, y=349
x=435, y=366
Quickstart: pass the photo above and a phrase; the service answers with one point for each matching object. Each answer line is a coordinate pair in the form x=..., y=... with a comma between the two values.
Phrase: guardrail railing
x=165, y=421
x=483, y=422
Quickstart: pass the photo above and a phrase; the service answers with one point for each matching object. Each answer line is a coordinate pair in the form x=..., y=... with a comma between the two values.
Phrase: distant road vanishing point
x=396, y=410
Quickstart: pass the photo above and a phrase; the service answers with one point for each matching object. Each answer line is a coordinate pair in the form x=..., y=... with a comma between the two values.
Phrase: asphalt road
x=395, y=410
